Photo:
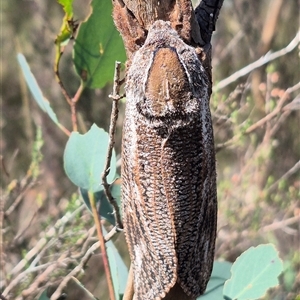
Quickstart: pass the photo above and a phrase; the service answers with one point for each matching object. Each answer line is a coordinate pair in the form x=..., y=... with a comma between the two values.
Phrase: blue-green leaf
x=119, y=271
x=220, y=273
x=105, y=210
x=253, y=273
x=84, y=159
x=35, y=89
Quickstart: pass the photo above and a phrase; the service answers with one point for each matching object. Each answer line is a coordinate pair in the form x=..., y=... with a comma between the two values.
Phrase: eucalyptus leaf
x=97, y=46
x=119, y=271
x=35, y=89
x=44, y=295
x=253, y=273
x=105, y=210
x=214, y=289
x=84, y=159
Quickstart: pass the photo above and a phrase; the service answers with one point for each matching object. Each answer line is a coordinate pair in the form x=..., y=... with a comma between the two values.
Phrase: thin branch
x=3, y=167
x=290, y=172
x=2, y=260
x=110, y=234
x=64, y=129
x=19, y=199
x=59, y=53
x=276, y=110
x=44, y=276
x=75, y=271
x=262, y=121
x=129, y=290
x=281, y=224
x=260, y=62
x=71, y=101
x=2, y=297
x=102, y=246
x=112, y=130
x=20, y=277
x=43, y=241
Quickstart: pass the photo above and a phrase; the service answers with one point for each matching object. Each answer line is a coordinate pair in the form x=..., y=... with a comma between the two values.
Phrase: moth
x=169, y=199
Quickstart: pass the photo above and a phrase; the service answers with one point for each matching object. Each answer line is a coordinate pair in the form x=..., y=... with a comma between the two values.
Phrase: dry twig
x=75, y=271
x=260, y=62
x=112, y=129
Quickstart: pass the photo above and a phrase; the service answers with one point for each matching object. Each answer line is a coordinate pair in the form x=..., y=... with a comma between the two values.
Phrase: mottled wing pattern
x=168, y=171
x=147, y=224
x=190, y=179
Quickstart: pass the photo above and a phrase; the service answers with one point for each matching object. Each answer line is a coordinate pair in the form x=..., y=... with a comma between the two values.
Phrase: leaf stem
x=112, y=130
x=71, y=101
x=102, y=246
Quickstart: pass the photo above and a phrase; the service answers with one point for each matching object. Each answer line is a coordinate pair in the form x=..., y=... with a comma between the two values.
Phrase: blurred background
x=256, y=122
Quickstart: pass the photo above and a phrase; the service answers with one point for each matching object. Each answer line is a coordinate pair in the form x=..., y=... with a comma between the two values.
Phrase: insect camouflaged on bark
x=168, y=168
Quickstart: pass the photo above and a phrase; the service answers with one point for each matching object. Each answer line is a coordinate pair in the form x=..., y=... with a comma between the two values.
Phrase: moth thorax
x=167, y=88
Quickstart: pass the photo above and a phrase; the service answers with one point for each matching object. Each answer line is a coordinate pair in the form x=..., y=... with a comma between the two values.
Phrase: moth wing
x=149, y=229
x=189, y=182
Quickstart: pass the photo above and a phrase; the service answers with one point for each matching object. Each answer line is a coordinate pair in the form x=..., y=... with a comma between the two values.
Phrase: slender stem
x=59, y=53
x=102, y=246
x=2, y=297
x=129, y=290
x=64, y=129
x=112, y=130
x=71, y=101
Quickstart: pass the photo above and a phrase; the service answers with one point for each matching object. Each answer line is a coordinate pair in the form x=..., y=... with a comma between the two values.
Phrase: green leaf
x=119, y=271
x=253, y=273
x=68, y=27
x=35, y=89
x=220, y=273
x=67, y=6
x=98, y=45
x=44, y=295
x=105, y=210
x=84, y=159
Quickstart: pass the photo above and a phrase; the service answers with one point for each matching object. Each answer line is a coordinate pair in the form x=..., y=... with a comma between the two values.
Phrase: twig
x=109, y=235
x=290, y=172
x=262, y=121
x=59, y=53
x=2, y=264
x=19, y=199
x=260, y=62
x=225, y=51
x=3, y=167
x=71, y=101
x=112, y=129
x=2, y=297
x=44, y=276
x=75, y=271
x=43, y=241
x=276, y=110
x=19, y=278
x=129, y=290
x=102, y=246
x=281, y=224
